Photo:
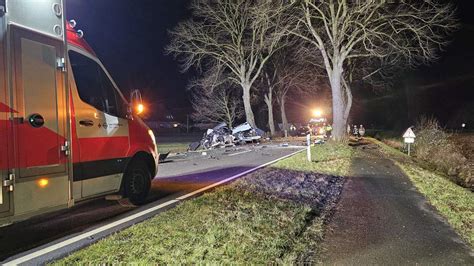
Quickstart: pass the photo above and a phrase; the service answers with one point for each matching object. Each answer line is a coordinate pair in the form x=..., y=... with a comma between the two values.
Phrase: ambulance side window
x=93, y=85
x=122, y=106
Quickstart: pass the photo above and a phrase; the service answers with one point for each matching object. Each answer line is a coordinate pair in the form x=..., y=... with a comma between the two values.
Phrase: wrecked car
x=222, y=136
x=218, y=136
x=246, y=133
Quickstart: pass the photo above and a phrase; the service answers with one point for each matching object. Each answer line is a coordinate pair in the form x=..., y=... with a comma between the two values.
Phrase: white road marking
x=237, y=153
x=103, y=228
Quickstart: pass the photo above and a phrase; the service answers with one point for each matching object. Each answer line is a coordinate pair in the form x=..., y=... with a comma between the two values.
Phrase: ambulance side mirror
x=136, y=106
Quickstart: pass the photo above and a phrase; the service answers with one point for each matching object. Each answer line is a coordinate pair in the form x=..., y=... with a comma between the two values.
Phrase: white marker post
x=308, y=149
x=409, y=138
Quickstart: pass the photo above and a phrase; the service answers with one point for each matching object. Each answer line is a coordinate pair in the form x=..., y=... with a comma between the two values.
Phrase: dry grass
x=435, y=146
x=394, y=143
x=466, y=142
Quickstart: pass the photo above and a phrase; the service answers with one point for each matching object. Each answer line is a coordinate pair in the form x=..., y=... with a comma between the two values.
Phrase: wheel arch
x=140, y=156
x=145, y=157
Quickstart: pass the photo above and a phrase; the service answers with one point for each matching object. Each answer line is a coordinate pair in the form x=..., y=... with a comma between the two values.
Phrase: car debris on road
x=222, y=136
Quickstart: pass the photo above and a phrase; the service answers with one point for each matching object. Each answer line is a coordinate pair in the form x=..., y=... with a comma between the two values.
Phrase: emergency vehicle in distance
x=67, y=133
x=319, y=129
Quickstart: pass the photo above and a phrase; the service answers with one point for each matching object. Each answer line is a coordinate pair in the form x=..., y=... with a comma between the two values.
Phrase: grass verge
x=173, y=147
x=331, y=158
x=274, y=215
x=453, y=202
x=388, y=150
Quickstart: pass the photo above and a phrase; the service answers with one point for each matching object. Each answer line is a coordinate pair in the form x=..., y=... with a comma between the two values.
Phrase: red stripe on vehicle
x=103, y=148
x=74, y=39
x=6, y=109
x=31, y=153
x=33, y=142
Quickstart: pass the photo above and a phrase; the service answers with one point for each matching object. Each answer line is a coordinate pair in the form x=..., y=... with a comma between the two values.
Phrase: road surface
x=178, y=176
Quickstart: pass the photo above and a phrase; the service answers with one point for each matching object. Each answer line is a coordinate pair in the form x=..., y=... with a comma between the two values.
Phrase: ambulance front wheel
x=137, y=182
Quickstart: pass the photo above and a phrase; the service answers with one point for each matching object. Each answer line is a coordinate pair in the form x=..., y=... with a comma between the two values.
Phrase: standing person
x=361, y=130
x=328, y=130
x=355, y=131
x=348, y=129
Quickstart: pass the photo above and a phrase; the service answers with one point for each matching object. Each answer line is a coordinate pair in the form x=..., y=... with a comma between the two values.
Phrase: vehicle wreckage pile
x=222, y=136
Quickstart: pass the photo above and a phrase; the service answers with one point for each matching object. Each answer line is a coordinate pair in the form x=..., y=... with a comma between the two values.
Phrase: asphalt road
x=382, y=219
x=177, y=176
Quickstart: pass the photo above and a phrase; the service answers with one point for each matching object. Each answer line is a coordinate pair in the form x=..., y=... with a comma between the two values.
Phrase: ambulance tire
x=137, y=182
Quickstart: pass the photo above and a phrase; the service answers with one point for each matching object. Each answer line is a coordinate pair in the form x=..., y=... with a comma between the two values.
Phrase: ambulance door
x=5, y=112
x=101, y=125
x=39, y=123
x=4, y=137
x=4, y=175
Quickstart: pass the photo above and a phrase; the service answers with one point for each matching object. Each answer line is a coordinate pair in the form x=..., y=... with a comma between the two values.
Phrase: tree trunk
x=284, y=119
x=247, y=106
x=338, y=106
x=348, y=102
x=271, y=122
x=229, y=121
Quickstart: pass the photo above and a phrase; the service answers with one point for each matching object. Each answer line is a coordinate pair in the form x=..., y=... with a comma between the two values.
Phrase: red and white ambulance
x=67, y=133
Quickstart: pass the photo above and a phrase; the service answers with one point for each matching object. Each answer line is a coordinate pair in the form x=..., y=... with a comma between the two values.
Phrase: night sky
x=129, y=37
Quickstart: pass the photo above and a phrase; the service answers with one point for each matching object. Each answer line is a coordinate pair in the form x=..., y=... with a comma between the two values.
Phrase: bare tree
x=411, y=31
x=293, y=69
x=216, y=106
x=236, y=35
x=270, y=80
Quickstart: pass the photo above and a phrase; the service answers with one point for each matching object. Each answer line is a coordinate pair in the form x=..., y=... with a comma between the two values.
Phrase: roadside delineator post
x=409, y=138
x=308, y=149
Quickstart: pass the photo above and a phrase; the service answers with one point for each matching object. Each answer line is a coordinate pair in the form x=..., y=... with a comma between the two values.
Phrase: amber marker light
x=43, y=182
x=140, y=108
